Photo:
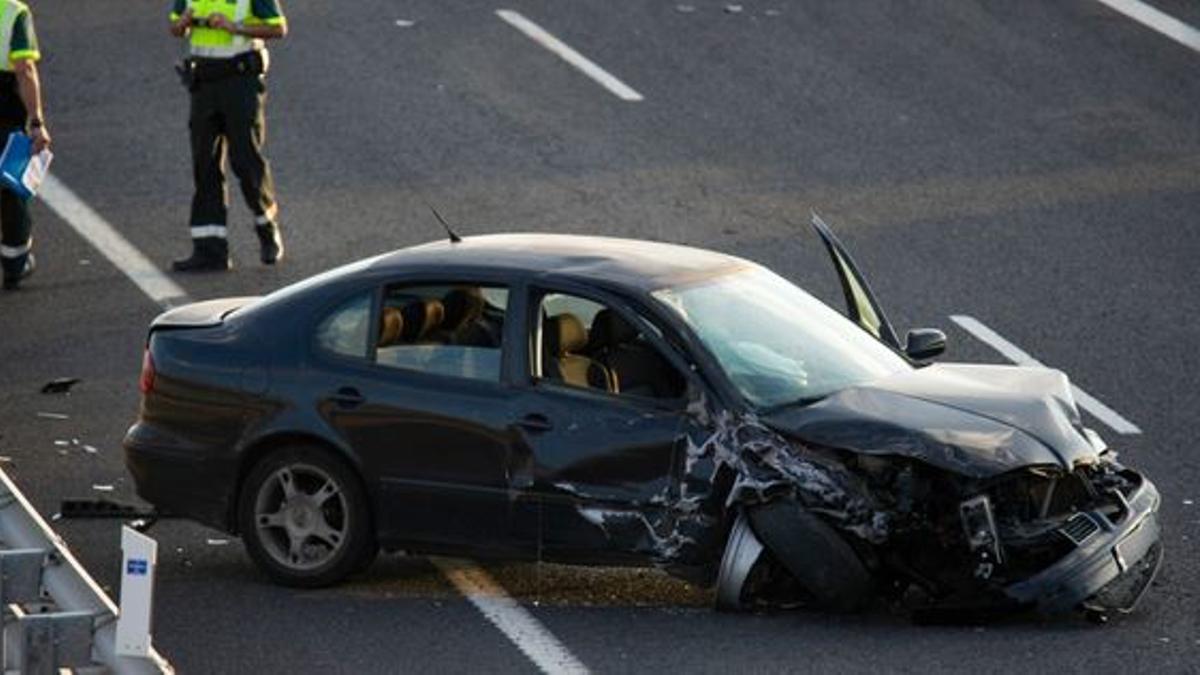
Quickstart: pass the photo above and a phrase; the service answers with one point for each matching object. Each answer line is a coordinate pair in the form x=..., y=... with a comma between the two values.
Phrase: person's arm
x=261, y=31
x=29, y=88
x=180, y=24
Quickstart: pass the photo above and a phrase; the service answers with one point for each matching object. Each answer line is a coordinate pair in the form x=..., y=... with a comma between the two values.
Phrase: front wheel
x=304, y=518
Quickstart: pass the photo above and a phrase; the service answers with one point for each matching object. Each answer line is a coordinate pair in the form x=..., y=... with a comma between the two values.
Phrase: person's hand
x=185, y=19
x=222, y=22
x=41, y=138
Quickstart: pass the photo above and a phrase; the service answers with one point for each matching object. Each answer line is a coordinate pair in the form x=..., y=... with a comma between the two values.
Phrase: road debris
x=772, y=12
x=102, y=487
x=218, y=542
x=733, y=9
x=405, y=23
x=1188, y=502
x=62, y=444
x=686, y=9
x=53, y=416
x=90, y=449
x=60, y=385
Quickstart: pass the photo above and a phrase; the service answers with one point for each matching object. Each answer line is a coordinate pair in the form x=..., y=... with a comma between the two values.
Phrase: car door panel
x=598, y=477
x=440, y=451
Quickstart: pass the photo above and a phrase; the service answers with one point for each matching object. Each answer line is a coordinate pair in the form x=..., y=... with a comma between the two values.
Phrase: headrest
x=421, y=317
x=391, y=325
x=463, y=306
x=610, y=329
x=565, y=333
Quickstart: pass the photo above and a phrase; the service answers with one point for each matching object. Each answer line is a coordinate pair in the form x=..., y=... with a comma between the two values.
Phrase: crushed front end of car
x=954, y=514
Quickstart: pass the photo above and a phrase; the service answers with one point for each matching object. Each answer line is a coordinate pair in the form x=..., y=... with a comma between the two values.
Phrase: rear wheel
x=304, y=518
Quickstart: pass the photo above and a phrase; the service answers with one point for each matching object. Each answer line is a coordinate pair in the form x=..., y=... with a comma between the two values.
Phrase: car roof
x=646, y=265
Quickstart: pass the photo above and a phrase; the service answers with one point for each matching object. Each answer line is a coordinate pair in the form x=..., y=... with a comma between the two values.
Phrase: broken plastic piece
x=53, y=416
x=102, y=488
x=217, y=542
x=405, y=23
x=61, y=385
x=686, y=9
x=733, y=9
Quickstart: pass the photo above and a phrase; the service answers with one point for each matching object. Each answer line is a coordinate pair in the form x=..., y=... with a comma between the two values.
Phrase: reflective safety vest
x=10, y=11
x=214, y=42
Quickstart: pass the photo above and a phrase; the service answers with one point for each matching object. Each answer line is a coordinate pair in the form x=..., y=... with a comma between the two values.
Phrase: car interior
x=447, y=330
x=587, y=345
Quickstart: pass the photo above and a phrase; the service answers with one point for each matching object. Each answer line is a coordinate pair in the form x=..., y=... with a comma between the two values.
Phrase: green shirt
x=262, y=12
x=24, y=44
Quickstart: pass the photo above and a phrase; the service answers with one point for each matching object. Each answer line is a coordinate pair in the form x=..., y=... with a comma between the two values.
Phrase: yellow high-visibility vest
x=216, y=43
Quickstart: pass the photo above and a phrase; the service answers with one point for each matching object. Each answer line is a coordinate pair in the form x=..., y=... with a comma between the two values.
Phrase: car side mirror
x=923, y=344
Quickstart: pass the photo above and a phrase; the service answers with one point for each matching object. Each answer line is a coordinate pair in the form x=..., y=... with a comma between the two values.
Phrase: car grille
x=1079, y=528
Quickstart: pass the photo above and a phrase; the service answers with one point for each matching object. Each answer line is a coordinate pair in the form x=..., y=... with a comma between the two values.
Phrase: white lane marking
x=526, y=632
x=1158, y=20
x=96, y=231
x=1022, y=358
x=530, y=636
x=581, y=62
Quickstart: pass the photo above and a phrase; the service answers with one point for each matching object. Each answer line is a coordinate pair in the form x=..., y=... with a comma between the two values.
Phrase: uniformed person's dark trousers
x=228, y=118
x=15, y=223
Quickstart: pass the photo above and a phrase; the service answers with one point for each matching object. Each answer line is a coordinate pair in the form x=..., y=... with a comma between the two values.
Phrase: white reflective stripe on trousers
x=16, y=251
x=220, y=52
x=205, y=231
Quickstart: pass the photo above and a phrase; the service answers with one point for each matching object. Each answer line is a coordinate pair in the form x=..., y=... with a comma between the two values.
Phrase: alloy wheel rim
x=302, y=516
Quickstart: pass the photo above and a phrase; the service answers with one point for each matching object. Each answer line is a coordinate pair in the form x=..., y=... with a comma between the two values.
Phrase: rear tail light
x=146, y=381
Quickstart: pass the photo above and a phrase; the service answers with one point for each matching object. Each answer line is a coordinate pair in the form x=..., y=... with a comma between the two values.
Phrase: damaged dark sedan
x=615, y=402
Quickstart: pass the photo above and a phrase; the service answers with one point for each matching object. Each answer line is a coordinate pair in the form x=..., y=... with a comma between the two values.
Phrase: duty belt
x=211, y=70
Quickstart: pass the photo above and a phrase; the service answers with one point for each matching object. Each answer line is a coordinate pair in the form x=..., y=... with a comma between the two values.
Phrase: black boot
x=14, y=282
x=210, y=254
x=271, y=242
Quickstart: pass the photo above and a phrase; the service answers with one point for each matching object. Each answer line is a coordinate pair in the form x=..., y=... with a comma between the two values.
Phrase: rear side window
x=344, y=331
x=451, y=330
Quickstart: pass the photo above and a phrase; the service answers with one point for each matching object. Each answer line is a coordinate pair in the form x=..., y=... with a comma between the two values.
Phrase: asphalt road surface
x=1034, y=164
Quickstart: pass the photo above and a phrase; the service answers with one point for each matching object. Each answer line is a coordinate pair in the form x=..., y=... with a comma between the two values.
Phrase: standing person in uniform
x=20, y=110
x=226, y=77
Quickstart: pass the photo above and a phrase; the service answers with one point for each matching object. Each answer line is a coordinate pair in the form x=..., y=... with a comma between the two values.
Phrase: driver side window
x=585, y=344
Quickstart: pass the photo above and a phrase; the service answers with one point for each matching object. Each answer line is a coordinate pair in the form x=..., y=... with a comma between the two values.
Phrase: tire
x=814, y=553
x=304, y=518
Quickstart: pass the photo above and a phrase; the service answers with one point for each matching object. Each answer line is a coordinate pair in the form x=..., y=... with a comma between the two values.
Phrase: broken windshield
x=775, y=342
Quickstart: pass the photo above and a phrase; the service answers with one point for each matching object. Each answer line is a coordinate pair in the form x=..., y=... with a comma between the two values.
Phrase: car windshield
x=778, y=344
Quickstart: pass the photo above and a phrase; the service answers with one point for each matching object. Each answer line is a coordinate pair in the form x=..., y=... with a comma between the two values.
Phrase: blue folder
x=19, y=172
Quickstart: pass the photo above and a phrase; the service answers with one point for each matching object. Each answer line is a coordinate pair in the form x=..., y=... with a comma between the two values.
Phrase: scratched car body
x=616, y=402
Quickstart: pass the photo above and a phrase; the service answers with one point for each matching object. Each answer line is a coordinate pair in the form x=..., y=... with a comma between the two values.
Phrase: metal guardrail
x=55, y=615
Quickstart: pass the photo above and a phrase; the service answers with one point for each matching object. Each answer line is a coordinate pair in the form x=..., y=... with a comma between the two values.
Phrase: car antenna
x=454, y=238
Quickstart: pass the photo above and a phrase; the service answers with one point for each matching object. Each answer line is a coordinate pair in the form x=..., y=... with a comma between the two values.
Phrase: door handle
x=348, y=397
x=535, y=423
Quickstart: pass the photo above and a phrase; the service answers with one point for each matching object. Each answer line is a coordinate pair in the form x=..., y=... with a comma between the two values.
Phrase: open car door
x=861, y=304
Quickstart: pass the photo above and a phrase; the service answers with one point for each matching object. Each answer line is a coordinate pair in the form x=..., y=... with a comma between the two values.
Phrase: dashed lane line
x=1158, y=20
x=489, y=597
x=507, y=615
x=1020, y=357
x=566, y=53
x=105, y=238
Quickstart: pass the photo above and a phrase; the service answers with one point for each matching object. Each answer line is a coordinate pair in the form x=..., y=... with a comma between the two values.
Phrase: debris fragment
x=772, y=12
x=405, y=23
x=733, y=9
x=90, y=449
x=102, y=487
x=60, y=385
x=53, y=416
x=218, y=542
x=85, y=261
x=61, y=443
x=1188, y=502
x=686, y=9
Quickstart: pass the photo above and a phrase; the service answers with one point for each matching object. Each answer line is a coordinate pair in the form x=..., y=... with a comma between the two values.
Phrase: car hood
x=976, y=420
